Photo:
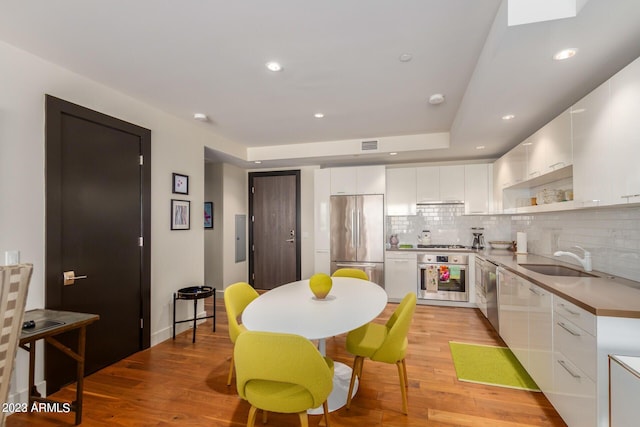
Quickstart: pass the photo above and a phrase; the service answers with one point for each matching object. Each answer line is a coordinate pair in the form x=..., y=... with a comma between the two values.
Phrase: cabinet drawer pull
x=564, y=365
x=628, y=196
x=575, y=313
x=536, y=293
x=566, y=328
x=556, y=164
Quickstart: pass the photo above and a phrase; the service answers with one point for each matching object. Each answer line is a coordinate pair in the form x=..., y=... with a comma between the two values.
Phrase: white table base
x=338, y=397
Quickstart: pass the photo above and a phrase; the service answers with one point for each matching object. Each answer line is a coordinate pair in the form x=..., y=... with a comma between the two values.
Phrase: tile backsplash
x=612, y=235
x=448, y=225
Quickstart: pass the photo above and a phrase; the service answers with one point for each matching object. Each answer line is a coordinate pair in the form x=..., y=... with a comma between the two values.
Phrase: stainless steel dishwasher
x=488, y=270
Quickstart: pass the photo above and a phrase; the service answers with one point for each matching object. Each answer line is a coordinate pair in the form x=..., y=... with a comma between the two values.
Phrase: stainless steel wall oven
x=443, y=277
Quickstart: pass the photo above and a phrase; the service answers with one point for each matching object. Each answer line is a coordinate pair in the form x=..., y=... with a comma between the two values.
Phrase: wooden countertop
x=605, y=295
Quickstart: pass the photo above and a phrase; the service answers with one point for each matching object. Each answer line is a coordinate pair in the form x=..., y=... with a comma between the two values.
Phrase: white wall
x=177, y=257
x=213, y=247
x=234, y=188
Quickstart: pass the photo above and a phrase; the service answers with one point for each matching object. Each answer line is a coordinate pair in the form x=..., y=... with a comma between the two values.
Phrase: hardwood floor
x=180, y=383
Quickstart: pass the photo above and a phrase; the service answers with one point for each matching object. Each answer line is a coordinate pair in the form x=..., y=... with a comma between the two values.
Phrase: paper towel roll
x=521, y=241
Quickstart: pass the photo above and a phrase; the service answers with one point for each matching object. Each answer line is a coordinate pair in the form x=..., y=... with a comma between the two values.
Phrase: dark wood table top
x=53, y=322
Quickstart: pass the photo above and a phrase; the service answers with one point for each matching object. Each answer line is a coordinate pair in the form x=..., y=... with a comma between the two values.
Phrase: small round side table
x=194, y=293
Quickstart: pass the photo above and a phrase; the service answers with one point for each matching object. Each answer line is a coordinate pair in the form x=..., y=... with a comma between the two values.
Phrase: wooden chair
x=14, y=283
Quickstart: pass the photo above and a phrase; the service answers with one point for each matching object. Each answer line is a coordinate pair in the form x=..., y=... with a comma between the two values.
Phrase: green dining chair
x=350, y=272
x=283, y=373
x=236, y=298
x=383, y=343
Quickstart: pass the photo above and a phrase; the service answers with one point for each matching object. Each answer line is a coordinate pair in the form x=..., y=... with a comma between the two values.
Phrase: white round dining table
x=293, y=309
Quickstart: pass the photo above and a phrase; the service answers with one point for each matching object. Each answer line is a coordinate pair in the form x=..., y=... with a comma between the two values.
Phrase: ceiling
x=340, y=58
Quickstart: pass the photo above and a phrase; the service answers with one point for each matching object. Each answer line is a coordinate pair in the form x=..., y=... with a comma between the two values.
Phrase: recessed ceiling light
x=480, y=147
x=200, y=117
x=393, y=153
x=405, y=57
x=436, y=98
x=565, y=54
x=508, y=117
x=318, y=115
x=273, y=66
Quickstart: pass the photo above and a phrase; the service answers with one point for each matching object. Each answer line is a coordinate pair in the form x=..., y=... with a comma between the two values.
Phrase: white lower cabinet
x=525, y=312
x=625, y=389
x=575, y=364
x=564, y=347
x=574, y=393
x=400, y=274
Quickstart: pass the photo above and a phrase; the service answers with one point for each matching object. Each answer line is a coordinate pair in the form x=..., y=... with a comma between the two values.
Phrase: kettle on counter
x=425, y=237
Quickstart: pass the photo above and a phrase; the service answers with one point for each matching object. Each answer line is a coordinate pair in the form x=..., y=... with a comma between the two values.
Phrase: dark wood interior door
x=98, y=203
x=274, y=203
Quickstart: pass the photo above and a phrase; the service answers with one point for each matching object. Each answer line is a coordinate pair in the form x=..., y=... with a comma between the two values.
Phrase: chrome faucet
x=586, y=261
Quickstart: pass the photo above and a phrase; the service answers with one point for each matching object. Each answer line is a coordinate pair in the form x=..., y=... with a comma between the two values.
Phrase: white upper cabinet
x=371, y=179
x=343, y=181
x=499, y=172
x=549, y=149
x=592, y=153
x=401, y=191
x=452, y=183
x=358, y=180
x=477, y=187
x=625, y=137
x=428, y=189
x=515, y=166
x=440, y=183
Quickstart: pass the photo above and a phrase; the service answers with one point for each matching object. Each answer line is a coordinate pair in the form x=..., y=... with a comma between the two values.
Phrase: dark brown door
x=98, y=226
x=274, y=228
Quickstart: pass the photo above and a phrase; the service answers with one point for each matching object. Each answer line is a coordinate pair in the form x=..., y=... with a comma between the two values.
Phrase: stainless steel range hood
x=441, y=202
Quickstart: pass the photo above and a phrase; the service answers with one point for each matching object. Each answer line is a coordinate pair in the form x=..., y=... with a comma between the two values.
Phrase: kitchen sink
x=556, y=270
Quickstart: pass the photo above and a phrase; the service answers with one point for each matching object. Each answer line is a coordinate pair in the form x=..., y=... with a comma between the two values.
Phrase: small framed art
x=180, y=214
x=180, y=184
x=208, y=214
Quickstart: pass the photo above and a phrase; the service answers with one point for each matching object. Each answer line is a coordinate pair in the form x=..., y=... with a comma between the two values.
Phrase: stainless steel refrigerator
x=357, y=234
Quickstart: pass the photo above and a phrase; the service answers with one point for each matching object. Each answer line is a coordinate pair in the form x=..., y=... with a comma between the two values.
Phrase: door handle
x=290, y=240
x=70, y=277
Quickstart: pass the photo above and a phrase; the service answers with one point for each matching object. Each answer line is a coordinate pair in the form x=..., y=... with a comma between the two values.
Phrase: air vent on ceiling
x=369, y=145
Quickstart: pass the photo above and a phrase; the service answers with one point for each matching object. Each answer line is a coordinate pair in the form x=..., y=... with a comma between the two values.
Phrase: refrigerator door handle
x=353, y=229
x=357, y=228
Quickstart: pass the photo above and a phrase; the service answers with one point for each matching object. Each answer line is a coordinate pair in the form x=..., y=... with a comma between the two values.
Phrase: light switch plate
x=11, y=257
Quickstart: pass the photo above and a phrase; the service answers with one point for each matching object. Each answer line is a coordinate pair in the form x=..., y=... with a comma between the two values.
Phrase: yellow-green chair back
x=384, y=343
x=350, y=272
x=282, y=373
x=236, y=298
x=394, y=347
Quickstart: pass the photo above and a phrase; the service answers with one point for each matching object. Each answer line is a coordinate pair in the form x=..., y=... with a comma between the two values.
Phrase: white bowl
x=499, y=244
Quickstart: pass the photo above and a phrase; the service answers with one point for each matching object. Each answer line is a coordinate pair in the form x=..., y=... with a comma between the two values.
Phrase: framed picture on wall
x=180, y=214
x=208, y=214
x=180, y=184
